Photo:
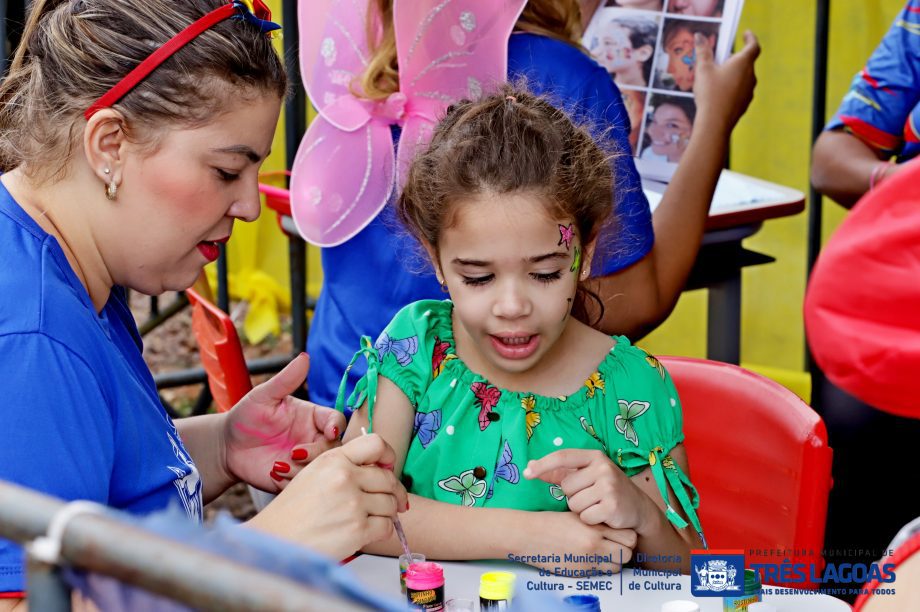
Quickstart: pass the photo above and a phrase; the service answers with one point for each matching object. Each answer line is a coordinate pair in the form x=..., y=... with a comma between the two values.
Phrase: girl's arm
x=447, y=531
x=600, y=493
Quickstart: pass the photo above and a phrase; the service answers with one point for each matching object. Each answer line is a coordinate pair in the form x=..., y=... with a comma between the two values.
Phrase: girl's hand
x=597, y=490
x=562, y=533
x=340, y=502
x=724, y=92
x=270, y=436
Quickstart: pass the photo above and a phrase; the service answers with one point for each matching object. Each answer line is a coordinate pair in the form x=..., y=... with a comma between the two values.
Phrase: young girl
x=626, y=50
x=669, y=127
x=505, y=408
x=679, y=71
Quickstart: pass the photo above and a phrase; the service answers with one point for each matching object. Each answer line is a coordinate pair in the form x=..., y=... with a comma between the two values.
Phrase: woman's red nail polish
x=335, y=432
x=281, y=467
x=386, y=466
x=275, y=476
x=299, y=454
x=407, y=504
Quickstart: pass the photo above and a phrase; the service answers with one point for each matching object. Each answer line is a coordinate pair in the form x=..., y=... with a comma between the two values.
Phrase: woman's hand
x=340, y=502
x=597, y=490
x=270, y=436
x=724, y=92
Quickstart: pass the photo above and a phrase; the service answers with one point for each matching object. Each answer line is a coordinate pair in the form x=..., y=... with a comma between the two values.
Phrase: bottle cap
x=496, y=585
x=425, y=575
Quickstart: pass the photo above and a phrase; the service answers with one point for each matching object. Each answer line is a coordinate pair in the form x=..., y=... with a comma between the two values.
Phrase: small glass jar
x=752, y=593
x=404, y=563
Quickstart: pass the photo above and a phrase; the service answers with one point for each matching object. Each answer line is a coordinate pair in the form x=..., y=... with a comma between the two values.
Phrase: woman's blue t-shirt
x=80, y=411
x=380, y=270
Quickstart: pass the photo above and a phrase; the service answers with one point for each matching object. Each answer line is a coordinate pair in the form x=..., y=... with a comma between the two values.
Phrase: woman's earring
x=444, y=288
x=584, y=273
x=111, y=190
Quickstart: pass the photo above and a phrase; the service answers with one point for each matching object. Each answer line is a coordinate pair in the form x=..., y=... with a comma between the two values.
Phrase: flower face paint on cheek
x=574, y=269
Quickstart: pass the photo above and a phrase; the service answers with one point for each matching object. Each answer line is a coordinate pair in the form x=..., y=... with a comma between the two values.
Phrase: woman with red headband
x=131, y=134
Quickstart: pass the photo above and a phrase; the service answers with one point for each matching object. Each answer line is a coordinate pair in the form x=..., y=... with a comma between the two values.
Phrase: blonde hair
x=73, y=51
x=559, y=19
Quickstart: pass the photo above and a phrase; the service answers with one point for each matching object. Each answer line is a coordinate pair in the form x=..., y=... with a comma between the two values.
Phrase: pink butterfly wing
x=340, y=180
x=333, y=53
x=483, y=418
x=447, y=51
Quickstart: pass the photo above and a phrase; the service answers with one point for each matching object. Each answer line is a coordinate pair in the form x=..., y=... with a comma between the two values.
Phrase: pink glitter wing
x=343, y=173
x=447, y=51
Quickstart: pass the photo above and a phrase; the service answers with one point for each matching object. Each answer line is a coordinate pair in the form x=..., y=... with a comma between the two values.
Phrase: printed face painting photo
x=696, y=8
x=646, y=5
x=634, y=101
x=625, y=46
x=668, y=125
x=676, y=66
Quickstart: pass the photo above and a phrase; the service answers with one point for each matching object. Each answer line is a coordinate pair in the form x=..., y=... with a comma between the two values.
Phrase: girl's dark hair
x=506, y=143
x=642, y=32
x=686, y=104
x=73, y=51
x=673, y=26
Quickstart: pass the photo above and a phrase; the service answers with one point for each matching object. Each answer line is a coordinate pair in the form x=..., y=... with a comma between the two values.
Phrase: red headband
x=260, y=15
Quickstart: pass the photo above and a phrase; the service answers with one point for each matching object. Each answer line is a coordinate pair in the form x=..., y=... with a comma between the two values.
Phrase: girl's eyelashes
x=226, y=176
x=547, y=277
x=476, y=281
x=543, y=277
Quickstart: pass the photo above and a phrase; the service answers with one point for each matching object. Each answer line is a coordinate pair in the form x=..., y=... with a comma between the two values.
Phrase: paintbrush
x=398, y=527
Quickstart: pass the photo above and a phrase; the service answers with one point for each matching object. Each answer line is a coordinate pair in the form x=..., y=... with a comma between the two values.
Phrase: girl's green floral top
x=472, y=440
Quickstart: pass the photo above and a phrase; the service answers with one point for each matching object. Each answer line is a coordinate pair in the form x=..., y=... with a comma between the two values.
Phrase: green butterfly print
x=588, y=427
x=556, y=492
x=576, y=261
x=629, y=412
x=467, y=486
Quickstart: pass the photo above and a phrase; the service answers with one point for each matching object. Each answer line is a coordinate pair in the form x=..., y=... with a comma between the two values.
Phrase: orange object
x=760, y=460
x=220, y=351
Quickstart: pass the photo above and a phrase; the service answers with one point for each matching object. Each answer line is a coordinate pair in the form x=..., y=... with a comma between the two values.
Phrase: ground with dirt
x=171, y=346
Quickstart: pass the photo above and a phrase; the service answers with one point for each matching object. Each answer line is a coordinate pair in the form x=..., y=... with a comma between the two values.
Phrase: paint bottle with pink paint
x=425, y=586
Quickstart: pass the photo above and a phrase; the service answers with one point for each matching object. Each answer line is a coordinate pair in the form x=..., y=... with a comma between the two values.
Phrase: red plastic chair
x=277, y=198
x=221, y=352
x=761, y=462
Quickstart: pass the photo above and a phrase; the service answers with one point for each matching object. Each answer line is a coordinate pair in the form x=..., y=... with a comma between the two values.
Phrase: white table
x=462, y=580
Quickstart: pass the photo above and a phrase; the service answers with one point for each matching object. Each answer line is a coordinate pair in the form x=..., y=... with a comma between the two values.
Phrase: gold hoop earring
x=111, y=190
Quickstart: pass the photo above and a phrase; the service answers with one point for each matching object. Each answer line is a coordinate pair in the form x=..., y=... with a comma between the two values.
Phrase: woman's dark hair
x=510, y=142
x=73, y=51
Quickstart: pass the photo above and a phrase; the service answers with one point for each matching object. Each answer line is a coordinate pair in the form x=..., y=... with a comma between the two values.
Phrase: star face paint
x=566, y=235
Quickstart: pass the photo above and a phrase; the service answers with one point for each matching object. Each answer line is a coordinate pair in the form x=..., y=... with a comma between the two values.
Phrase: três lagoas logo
x=716, y=573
